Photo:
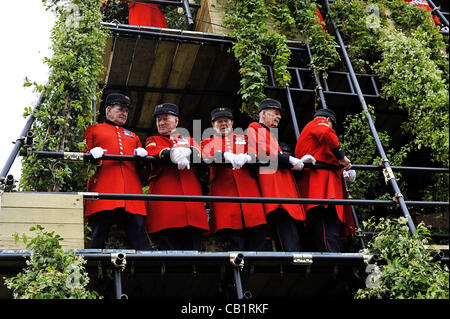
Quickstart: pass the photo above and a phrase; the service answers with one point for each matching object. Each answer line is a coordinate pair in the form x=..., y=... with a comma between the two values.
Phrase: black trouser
x=286, y=230
x=180, y=238
x=133, y=224
x=323, y=229
x=250, y=239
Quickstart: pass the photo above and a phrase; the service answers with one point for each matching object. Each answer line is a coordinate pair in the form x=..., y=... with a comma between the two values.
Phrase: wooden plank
x=181, y=70
x=202, y=67
x=210, y=17
x=64, y=230
x=67, y=243
x=73, y=234
x=121, y=62
x=158, y=78
x=42, y=200
x=38, y=215
x=106, y=60
x=144, y=57
x=62, y=213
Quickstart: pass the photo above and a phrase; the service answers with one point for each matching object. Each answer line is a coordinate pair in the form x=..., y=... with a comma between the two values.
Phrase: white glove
x=242, y=159
x=183, y=163
x=177, y=153
x=308, y=159
x=350, y=175
x=232, y=158
x=141, y=152
x=97, y=152
x=296, y=163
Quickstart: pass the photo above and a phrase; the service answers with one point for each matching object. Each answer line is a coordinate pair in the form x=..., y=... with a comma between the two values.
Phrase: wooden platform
x=62, y=213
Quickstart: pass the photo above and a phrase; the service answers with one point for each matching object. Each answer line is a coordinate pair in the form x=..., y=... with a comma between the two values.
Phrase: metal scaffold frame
x=236, y=260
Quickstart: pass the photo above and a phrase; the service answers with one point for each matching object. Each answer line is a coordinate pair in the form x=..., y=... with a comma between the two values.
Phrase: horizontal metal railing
x=79, y=156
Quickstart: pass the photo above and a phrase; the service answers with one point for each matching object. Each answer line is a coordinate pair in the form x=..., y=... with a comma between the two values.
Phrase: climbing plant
x=247, y=21
x=68, y=96
x=51, y=272
x=400, y=43
x=360, y=145
x=407, y=269
x=260, y=29
x=307, y=22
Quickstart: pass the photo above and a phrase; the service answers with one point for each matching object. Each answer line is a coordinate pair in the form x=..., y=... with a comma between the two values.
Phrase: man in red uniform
x=115, y=177
x=175, y=225
x=277, y=179
x=324, y=222
x=243, y=224
x=146, y=14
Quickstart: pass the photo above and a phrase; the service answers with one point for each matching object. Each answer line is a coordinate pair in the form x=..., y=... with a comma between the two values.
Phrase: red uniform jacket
x=114, y=176
x=273, y=182
x=226, y=181
x=424, y=4
x=319, y=140
x=146, y=14
x=166, y=178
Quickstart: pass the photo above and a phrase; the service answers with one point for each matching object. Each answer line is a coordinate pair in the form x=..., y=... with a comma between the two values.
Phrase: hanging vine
x=248, y=21
x=77, y=44
x=261, y=28
x=322, y=44
x=401, y=44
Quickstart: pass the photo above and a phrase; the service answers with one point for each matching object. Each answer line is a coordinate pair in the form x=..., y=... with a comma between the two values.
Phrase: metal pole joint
x=396, y=198
x=119, y=260
x=303, y=259
x=237, y=260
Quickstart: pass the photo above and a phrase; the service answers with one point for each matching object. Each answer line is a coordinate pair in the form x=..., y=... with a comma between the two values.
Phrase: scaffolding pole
x=438, y=12
x=79, y=156
x=19, y=142
x=235, y=199
x=387, y=168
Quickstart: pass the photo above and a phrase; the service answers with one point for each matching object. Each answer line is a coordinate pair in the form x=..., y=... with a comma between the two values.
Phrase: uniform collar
x=263, y=125
x=112, y=123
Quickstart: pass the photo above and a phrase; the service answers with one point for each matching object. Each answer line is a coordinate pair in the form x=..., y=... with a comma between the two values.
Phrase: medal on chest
x=181, y=141
x=239, y=140
x=127, y=133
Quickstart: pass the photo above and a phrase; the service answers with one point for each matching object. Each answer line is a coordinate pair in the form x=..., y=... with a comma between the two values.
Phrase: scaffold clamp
x=119, y=260
x=89, y=195
x=74, y=156
x=388, y=174
x=396, y=197
x=237, y=260
x=303, y=259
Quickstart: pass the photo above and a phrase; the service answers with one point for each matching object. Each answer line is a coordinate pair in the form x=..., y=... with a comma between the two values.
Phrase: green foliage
x=416, y=83
x=51, y=272
x=75, y=67
x=407, y=270
x=361, y=149
x=248, y=21
x=400, y=43
x=322, y=44
x=115, y=10
x=261, y=28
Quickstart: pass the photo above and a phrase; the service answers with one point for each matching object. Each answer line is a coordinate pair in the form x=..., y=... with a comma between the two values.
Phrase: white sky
x=25, y=41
